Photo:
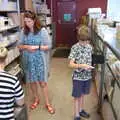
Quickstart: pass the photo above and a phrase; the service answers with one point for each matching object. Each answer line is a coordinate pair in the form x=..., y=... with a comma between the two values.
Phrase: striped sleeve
x=19, y=94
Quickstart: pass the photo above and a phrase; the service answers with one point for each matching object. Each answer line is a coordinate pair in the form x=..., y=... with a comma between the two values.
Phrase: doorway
x=66, y=23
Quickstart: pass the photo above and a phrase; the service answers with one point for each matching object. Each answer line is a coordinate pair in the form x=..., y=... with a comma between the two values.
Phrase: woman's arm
x=44, y=47
x=46, y=43
x=21, y=45
x=28, y=47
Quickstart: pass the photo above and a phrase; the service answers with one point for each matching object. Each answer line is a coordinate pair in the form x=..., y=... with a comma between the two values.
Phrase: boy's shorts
x=81, y=87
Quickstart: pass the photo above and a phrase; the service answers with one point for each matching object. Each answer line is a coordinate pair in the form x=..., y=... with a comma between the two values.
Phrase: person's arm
x=72, y=64
x=46, y=41
x=21, y=45
x=20, y=102
x=72, y=57
x=28, y=47
x=19, y=95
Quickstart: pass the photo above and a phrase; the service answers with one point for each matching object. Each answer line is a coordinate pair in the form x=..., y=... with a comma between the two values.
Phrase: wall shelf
x=109, y=84
x=9, y=31
x=8, y=28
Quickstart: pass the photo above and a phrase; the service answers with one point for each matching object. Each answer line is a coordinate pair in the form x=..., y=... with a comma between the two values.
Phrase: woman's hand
x=43, y=47
x=32, y=48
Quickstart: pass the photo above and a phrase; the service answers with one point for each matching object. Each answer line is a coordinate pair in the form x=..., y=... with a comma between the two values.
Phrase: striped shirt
x=10, y=91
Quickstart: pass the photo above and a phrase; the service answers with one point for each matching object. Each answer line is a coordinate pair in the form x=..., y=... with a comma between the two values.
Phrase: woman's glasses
x=28, y=11
x=30, y=14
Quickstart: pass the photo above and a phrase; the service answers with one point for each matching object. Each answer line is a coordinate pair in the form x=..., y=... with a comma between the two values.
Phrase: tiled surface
x=107, y=111
x=60, y=86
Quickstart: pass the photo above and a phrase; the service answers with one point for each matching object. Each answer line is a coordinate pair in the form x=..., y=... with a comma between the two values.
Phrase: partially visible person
x=35, y=45
x=11, y=92
x=80, y=60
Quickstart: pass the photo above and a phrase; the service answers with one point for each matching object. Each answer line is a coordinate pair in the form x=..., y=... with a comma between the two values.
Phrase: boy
x=80, y=60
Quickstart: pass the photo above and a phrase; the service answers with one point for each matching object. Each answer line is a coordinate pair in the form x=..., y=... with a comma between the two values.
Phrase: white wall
x=113, y=9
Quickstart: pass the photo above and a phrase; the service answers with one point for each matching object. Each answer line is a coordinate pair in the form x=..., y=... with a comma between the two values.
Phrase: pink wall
x=81, y=9
x=82, y=6
x=48, y=3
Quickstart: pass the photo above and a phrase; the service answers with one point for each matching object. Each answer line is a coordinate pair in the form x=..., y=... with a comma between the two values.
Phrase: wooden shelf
x=8, y=28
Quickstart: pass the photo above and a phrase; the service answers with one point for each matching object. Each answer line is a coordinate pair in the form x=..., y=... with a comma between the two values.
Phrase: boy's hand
x=87, y=67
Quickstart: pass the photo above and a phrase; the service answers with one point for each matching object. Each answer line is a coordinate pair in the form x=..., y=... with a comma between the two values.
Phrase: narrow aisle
x=60, y=95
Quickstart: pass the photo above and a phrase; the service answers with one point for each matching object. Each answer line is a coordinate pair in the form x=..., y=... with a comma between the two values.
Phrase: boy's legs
x=80, y=88
x=76, y=109
x=81, y=103
x=82, y=112
x=85, y=90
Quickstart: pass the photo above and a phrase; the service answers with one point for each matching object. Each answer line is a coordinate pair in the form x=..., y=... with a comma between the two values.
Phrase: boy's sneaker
x=84, y=114
x=77, y=118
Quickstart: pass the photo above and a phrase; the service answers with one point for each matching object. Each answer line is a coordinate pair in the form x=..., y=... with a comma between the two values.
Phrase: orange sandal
x=35, y=104
x=50, y=109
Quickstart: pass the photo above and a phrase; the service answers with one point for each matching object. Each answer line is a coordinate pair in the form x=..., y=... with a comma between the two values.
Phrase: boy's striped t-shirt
x=10, y=91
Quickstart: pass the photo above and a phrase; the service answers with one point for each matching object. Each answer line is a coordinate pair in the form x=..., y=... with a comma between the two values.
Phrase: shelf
x=106, y=41
x=10, y=8
x=8, y=28
x=8, y=45
x=9, y=11
x=110, y=41
x=12, y=60
x=48, y=25
x=15, y=73
x=11, y=44
x=12, y=55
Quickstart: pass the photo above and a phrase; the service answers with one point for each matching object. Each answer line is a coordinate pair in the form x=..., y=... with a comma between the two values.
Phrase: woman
x=35, y=45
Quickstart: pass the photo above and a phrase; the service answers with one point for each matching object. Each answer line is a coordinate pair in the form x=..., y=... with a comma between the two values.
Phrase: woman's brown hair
x=37, y=25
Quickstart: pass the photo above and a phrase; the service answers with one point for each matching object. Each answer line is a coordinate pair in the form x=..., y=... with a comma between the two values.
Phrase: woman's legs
x=44, y=87
x=49, y=107
x=34, y=90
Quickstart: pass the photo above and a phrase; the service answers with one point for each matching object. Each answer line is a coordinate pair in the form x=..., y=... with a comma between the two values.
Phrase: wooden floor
x=60, y=86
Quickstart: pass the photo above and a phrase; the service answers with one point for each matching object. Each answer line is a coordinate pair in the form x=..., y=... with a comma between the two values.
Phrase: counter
x=108, y=36
x=108, y=84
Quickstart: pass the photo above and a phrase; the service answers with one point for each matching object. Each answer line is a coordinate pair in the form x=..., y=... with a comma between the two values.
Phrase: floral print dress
x=35, y=64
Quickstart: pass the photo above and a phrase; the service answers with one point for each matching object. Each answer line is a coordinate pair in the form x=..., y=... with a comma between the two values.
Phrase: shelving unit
x=8, y=28
x=9, y=33
x=109, y=82
x=44, y=15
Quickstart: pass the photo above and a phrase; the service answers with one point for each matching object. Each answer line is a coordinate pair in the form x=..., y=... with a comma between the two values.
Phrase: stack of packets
x=118, y=31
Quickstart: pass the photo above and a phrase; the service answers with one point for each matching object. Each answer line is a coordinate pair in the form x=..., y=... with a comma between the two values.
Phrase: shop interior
x=60, y=18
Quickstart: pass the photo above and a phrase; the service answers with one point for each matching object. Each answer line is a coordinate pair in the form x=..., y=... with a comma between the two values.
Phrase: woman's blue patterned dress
x=35, y=64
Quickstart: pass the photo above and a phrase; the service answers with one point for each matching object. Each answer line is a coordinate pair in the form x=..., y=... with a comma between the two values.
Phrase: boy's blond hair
x=83, y=32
